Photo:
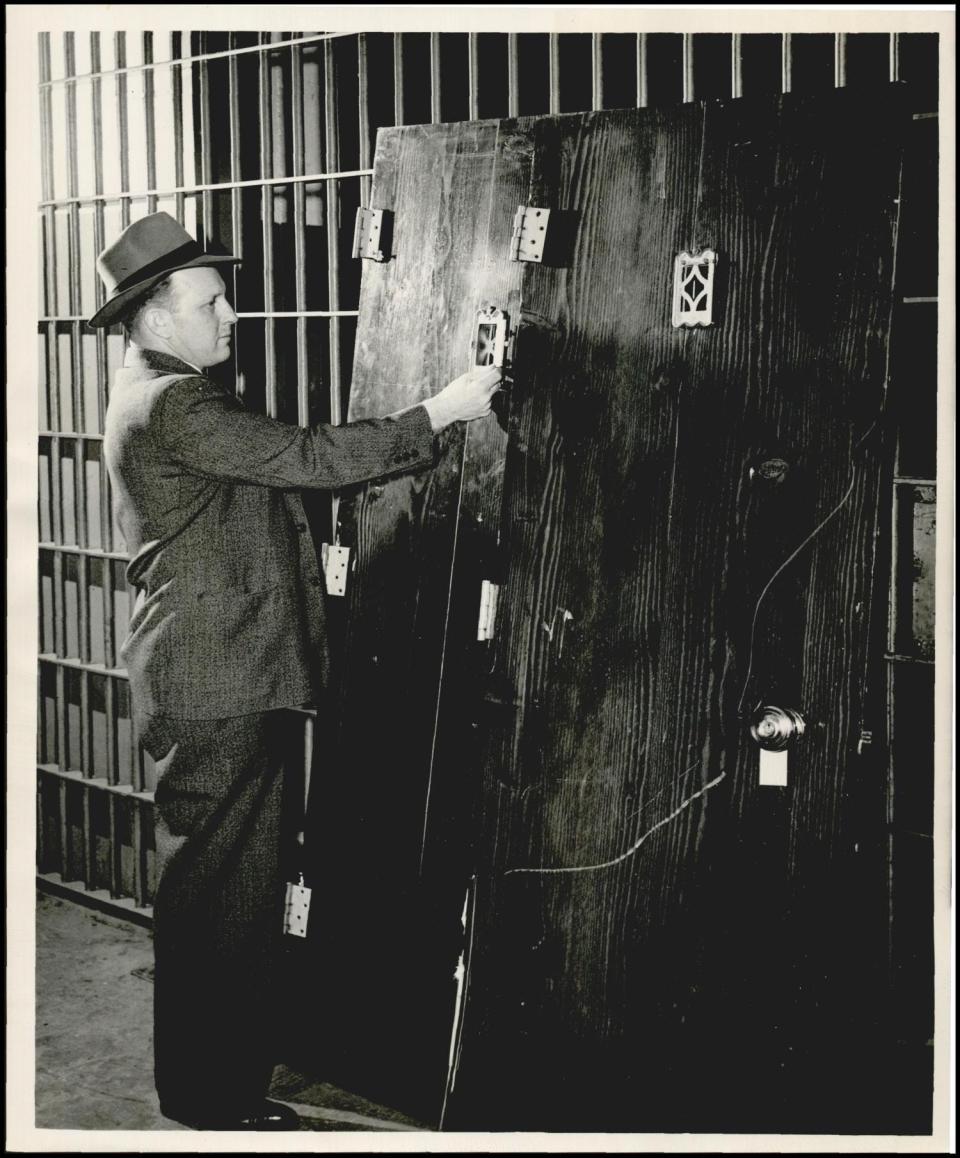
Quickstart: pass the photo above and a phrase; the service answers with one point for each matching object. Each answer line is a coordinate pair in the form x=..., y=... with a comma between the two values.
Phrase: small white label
x=296, y=910
x=773, y=769
x=335, y=562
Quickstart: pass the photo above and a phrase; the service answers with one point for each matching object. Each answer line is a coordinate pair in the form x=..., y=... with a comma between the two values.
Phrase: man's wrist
x=436, y=412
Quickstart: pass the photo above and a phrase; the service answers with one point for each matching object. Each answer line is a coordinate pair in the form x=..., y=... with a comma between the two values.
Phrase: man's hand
x=465, y=398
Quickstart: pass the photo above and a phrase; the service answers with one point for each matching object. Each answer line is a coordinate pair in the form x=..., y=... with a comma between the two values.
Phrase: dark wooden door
x=682, y=524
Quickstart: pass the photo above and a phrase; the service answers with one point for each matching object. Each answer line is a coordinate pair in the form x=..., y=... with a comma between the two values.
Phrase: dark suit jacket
x=229, y=614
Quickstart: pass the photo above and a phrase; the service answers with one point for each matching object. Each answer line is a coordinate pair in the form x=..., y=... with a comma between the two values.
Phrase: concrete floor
x=94, y=1041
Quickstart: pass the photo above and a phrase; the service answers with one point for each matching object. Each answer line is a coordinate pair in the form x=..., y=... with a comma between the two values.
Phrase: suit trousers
x=218, y=908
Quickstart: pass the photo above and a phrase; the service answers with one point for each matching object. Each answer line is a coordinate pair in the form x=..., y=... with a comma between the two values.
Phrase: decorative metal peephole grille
x=693, y=275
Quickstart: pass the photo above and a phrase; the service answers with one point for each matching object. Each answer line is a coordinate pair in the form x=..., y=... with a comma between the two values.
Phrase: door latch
x=491, y=337
x=775, y=730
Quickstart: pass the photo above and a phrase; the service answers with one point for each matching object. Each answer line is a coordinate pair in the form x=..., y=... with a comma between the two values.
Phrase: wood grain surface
x=682, y=523
x=659, y=942
x=387, y=819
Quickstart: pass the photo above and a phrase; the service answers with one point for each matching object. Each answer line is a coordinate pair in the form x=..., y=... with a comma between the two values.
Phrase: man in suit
x=227, y=630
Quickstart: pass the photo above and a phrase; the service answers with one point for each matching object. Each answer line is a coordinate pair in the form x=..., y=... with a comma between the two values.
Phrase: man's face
x=201, y=317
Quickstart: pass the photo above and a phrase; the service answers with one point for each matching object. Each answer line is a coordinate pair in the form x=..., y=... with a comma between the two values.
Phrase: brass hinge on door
x=373, y=233
x=529, y=233
x=489, y=595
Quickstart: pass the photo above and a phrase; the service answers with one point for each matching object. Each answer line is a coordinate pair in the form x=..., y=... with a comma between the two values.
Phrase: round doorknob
x=776, y=728
x=771, y=470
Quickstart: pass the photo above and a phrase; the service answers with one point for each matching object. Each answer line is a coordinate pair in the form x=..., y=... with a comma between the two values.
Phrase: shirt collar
x=137, y=357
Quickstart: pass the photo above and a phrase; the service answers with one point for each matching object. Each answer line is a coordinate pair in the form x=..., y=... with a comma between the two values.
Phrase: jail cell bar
x=103, y=167
x=132, y=123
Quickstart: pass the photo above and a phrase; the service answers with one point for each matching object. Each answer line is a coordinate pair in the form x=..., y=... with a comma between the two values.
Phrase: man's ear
x=156, y=320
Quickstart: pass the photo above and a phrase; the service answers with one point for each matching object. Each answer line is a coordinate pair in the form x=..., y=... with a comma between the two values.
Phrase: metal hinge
x=372, y=234
x=529, y=233
x=489, y=595
x=296, y=909
x=336, y=560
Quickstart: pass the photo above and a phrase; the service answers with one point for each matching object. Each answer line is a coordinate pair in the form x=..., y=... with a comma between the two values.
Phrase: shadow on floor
x=94, y=1040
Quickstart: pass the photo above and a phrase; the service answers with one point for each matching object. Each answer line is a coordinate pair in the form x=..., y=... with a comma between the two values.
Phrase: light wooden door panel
x=389, y=842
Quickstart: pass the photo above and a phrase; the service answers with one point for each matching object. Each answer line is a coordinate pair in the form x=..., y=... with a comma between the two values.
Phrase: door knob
x=775, y=729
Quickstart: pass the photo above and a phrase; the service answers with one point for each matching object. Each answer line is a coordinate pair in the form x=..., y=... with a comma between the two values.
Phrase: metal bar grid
x=435, y=114
x=553, y=46
x=79, y=665
x=150, y=119
x=120, y=50
x=786, y=62
x=82, y=754
x=283, y=189
x=202, y=57
x=99, y=242
x=176, y=86
x=51, y=321
x=900, y=667
x=74, y=435
x=121, y=790
x=596, y=68
x=299, y=238
x=206, y=150
x=56, y=522
x=363, y=116
x=236, y=204
x=513, y=75
x=266, y=210
x=80, y=597
x=642, y=71
x=332, y=161
x=211, y=187
x=840, y=59
x=46, y=119
x=473, y=77
x=687, y=67
x=236, y=199
x=736, y=64
x=398, y=118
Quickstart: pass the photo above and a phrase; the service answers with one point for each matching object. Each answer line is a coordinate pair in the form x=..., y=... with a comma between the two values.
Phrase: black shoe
x=265, y=1115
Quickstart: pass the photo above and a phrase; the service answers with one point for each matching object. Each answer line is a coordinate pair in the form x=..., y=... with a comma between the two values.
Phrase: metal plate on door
x=693, y=278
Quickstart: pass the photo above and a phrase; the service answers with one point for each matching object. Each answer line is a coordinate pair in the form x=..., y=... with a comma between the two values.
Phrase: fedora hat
x=147, y=251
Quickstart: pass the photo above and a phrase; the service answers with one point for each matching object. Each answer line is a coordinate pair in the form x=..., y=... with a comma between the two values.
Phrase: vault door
x=388, y=842
x=658, y=939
